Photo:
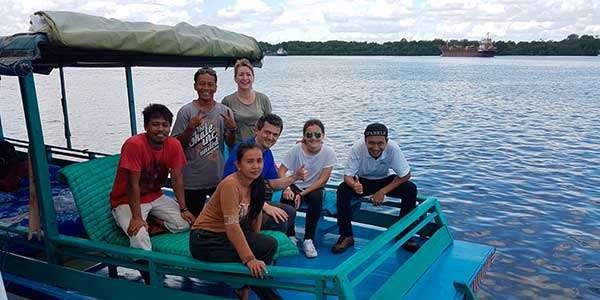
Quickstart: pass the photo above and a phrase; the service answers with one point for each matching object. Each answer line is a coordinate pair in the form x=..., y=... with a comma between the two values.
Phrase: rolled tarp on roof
x=78, y=40
x=84, y=31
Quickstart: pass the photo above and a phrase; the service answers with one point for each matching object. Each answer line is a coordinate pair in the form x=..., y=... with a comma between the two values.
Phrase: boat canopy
x=67, y=39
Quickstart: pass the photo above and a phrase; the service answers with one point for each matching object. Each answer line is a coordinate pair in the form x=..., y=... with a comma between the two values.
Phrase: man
x=376, y=167
x=146, y=160
x=267, y=131
x=203, y=126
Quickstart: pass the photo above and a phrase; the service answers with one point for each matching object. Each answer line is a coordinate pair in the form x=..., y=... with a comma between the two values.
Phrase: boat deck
x=461, y=262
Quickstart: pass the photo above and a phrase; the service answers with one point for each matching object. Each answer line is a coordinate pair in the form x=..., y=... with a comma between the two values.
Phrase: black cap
x=376, y=129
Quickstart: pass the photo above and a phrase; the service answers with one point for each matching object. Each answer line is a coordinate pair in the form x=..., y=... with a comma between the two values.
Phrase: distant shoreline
x=572, y=45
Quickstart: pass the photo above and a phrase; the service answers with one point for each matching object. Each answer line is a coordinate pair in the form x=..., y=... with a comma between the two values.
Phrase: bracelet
x=182, y=210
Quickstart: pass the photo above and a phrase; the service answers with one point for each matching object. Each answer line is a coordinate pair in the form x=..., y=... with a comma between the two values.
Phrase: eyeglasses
x=309, y=135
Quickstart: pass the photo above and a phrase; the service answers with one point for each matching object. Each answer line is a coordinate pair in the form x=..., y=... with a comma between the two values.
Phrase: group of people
x=226, y=227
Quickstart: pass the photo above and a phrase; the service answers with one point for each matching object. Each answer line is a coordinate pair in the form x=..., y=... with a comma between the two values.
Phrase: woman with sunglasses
x=318, y=159
x=247, y=105
x=227, y=228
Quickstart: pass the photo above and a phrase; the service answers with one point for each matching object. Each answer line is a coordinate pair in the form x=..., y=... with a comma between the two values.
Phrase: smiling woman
x=247, y=105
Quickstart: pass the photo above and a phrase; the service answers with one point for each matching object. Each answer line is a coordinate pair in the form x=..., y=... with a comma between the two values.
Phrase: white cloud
x=244, y=9
x=362, y=20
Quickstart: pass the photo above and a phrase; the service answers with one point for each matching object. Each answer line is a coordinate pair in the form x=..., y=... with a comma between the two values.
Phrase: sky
x=347, y=20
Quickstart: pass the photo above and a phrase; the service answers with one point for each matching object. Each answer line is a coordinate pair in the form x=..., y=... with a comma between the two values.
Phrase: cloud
x=362, y=20
x=250, y=9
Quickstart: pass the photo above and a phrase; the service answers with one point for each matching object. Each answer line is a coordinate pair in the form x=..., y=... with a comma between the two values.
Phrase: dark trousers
x=195, y=199
x=268, y=222
x=314, y=200
x=406, y=191
x=216, y=247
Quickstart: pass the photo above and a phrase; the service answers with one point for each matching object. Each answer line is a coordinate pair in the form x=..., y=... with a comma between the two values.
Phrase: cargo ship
x=486, y=49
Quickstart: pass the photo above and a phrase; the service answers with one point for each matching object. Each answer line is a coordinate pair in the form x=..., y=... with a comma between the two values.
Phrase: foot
x=309, y=249
x=343, y=243
x=411, y=245
x=242, y=293
x=293, y=239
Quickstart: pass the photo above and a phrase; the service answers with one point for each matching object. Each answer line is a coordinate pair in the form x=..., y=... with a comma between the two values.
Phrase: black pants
x=406, y=191
x=314, y=201
x=216, y=247
x=195, y=199
x=268, y=222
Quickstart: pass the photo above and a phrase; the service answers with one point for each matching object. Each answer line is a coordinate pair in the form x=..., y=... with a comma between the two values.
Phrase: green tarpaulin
x=91, y=32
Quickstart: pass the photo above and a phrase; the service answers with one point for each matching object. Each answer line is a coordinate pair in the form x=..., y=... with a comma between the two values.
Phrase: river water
x=510, y=145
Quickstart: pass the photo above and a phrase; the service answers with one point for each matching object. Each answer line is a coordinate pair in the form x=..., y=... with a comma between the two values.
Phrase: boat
x=98, y=262
x=281, y=52
x=485, y=49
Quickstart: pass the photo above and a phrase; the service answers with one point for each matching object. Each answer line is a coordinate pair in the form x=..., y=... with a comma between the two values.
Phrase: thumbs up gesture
x=356, y=185
x=301, y=173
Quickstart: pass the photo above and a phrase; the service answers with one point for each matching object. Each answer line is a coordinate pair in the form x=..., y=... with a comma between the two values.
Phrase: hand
x=288, y=194
x=356, y=185
x=301, y=174
x=188, y=217
x=297, y=201
x=135, y=225
x=278, y=214
x=257, y=268
x=196, y=120
x=377, y=198
x=229, y=120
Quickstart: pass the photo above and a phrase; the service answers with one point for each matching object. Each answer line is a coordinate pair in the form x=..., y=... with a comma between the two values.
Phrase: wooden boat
x=377, y=268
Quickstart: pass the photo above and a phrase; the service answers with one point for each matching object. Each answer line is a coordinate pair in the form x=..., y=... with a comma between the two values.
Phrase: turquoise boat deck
x=460, y=262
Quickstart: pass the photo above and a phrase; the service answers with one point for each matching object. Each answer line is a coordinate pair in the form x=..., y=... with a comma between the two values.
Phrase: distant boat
x=281, y=52
x=486, y=49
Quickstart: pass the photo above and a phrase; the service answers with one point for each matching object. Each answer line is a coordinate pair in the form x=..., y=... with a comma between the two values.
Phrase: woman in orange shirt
x=227, y=229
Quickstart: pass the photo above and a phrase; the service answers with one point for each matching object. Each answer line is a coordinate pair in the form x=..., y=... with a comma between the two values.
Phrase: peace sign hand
x=229, y=120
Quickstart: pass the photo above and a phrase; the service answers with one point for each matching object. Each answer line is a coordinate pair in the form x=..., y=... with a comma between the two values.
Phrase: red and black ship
x=486, y=49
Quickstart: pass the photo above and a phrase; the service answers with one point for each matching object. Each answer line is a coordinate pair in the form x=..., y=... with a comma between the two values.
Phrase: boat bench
x=91, y=183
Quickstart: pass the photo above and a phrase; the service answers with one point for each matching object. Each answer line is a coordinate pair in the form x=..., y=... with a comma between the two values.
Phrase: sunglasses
x=309, y=135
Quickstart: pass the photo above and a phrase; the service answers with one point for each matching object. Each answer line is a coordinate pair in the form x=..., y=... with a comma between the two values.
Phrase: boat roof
x=68, y=39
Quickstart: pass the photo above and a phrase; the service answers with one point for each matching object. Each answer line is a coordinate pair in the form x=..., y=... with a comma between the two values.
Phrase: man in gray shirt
x=203, y=126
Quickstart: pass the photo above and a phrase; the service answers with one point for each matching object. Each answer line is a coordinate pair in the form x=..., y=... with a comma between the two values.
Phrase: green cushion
x=285, y=247
x=178, y=243
x=91, y=183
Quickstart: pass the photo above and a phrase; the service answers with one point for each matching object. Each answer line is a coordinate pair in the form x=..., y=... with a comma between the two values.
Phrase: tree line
x=571, y=45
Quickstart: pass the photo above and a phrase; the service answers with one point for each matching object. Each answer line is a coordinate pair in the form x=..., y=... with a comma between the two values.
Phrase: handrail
x=185, y=262
x=54, y=149
x=375, y=245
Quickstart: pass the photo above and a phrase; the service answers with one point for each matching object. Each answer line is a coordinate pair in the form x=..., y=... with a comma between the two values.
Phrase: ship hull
x=467, y=53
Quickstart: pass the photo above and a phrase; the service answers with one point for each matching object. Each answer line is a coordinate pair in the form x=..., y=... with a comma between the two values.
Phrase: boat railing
x=355, y=269
x=57, y=152
x=339, y=281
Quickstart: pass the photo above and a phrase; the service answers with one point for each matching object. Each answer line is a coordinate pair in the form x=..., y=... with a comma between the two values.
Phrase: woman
x=227, y=229
x=318, y=159
x=247, y=105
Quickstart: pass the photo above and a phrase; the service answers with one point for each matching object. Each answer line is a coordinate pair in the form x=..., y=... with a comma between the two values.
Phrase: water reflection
x=509, y=145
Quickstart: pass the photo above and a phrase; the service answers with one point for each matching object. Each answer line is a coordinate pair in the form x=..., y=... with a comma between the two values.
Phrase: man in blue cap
x=376, y=167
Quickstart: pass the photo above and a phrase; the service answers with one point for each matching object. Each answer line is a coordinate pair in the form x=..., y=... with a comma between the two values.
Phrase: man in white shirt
x=376, y=167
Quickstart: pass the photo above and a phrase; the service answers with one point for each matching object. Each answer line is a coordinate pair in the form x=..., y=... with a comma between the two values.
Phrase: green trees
x=571, y=45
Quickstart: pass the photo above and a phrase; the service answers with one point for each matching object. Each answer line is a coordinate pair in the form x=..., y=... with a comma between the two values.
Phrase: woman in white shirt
x=318, y=159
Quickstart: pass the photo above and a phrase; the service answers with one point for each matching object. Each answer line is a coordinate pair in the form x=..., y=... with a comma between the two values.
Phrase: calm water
x=510, y=145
